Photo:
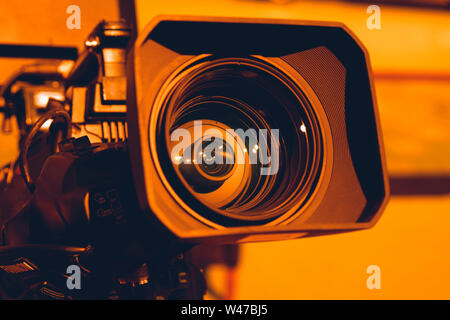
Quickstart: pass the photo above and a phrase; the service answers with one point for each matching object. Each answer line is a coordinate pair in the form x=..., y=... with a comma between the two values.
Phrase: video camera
x=203, y=130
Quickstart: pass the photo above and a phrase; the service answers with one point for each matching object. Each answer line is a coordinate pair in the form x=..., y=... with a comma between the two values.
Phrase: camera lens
x=216, y=166
x=238, y=141
x=212, y=170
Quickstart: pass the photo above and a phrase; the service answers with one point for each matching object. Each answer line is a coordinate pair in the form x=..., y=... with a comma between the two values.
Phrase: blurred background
x=410, y=57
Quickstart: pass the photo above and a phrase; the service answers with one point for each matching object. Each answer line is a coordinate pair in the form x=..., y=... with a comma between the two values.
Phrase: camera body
x=231, y=130
x=306, y=85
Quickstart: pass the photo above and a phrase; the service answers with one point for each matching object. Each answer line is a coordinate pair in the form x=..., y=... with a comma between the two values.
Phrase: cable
x=92, y=133
x=23, y=161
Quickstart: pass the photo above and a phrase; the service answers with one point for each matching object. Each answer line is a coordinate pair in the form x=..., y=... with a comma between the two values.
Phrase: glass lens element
x=242, y=139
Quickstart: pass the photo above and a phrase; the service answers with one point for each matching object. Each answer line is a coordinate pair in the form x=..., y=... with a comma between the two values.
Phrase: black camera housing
x=331, y=65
